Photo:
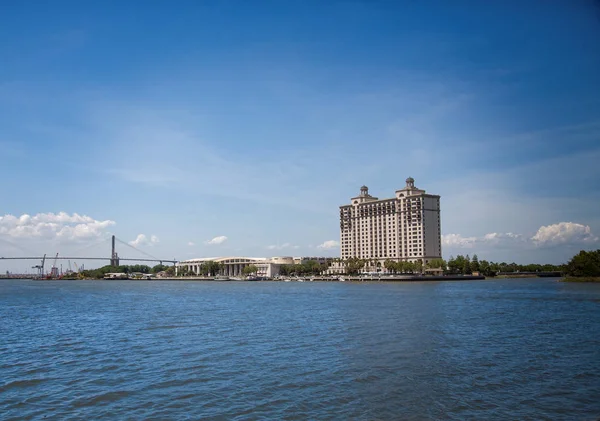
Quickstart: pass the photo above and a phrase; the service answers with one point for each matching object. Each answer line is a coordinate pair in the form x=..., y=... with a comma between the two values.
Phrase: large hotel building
x=403, y=228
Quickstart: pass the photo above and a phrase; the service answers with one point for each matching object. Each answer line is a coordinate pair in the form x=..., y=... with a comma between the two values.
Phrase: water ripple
x=260, y=351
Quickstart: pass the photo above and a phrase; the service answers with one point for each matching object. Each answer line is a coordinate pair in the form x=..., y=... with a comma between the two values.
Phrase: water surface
x=494, y=350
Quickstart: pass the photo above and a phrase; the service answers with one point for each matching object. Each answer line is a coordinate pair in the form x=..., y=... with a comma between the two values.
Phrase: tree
x=159, y=268
x=485, y=269
x=400, y=267
x=475, y=267
x=286, y=270
x=584, y=264
x=324, y=267
x=437, y=264
x=354, y=265
x=248, y=270
x=455, y=265
x=312, y=267
x=211, y=268
x=466, y=269
x=495, y=267
x=419, y=266
x=390, y=266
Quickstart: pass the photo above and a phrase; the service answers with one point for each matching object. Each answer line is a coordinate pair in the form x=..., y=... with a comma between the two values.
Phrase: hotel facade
x=403, y=228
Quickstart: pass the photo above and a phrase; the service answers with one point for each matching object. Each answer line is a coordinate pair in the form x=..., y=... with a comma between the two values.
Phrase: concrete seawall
x=393, y=278
x=315, y=278
x=404, y=278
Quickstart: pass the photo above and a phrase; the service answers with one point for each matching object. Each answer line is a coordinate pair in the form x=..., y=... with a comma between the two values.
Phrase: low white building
x=234, y=266
x=116, y=275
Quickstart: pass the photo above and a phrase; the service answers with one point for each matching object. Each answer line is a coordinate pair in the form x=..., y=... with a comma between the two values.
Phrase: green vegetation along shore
x=584, y=267
x=582, y=279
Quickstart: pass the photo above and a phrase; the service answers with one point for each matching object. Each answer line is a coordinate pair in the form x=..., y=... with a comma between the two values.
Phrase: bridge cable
x=138, y=250
x=105, y=240
x=10, y=243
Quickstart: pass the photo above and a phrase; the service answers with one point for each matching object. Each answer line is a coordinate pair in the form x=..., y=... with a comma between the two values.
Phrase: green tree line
x=466, y=266
x=584, y=264
x=312, y=267
x=460, y=264
x=100, y=272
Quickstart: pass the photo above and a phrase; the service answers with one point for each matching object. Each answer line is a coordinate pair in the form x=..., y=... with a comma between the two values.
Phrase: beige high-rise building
x=404, y=228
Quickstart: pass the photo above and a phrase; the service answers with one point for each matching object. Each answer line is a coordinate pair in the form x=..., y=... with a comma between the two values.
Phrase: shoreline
x=363, y=278
x=396, y=278
x=588, y=279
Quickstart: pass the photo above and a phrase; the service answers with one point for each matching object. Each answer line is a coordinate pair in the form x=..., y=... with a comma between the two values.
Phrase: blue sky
x=254, y=121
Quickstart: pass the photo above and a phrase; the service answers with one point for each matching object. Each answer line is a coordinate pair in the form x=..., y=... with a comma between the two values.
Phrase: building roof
x=237, y=259
x=226, y=259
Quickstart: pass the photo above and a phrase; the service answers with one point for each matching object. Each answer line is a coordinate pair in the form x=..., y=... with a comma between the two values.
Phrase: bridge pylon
x=114, y=257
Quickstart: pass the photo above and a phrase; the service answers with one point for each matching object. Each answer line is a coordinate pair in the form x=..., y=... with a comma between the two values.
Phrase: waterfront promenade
x=361, y=278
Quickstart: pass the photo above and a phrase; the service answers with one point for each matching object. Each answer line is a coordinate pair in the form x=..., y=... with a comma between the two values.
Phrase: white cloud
x=217, y=240
x=560, y=233
x=497, y=239
x=191, y=243
x=50, y=226
x=503, y=239
x=457, y=240
x=329, y=244
x=142, y=240
x=493, y=236
x=564, y=233
x=282, y=246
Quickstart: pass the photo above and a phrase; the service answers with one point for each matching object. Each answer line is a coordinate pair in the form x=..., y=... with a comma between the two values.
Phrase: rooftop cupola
x=410, y=183
x=364, y=191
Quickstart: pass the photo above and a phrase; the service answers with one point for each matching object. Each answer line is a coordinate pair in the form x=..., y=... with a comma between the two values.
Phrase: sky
x=218, y=128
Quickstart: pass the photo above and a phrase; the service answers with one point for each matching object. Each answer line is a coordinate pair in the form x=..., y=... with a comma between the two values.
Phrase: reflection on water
x=495, y=350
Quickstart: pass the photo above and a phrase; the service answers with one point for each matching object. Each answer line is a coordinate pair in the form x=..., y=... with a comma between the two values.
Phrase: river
x=526, y=349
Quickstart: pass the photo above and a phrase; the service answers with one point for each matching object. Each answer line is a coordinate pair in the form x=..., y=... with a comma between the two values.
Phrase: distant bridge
x=114, y=258
x=90, y=258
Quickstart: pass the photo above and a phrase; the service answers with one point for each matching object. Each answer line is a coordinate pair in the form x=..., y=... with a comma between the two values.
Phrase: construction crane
x=54, y=270
x=75, y=266
x=40, y=268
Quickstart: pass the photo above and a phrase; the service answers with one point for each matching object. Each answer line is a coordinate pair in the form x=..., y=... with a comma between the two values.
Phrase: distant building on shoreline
x=403, y=228
x=234, y=266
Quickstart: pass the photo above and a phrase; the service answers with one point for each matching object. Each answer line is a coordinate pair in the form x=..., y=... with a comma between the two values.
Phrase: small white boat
x=300, y=280
x=287, y=280
x=341, y=279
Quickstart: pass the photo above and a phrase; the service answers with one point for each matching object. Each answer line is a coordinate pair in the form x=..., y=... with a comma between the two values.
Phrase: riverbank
x=581, y=279
x=363, y=278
